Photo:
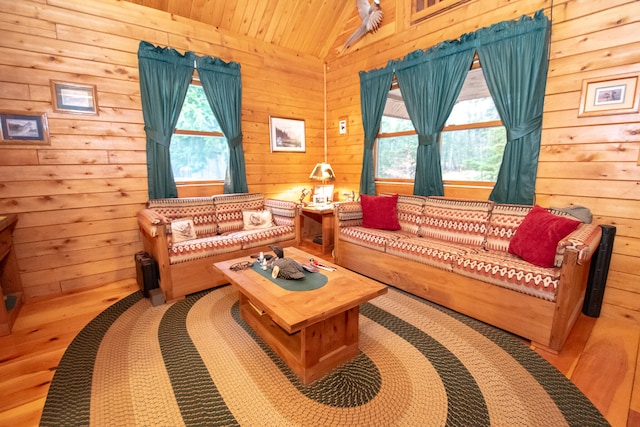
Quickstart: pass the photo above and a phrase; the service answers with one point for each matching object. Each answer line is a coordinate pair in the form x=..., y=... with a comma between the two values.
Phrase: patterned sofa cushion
x=435, y=253
x=202, y=248
x=218, y=222
x=266, y=236
x=370, y=237
x=348, y=214
x=456, y=221
x=199, y=209
x=284, y=212
x=504, y=221
x=229, y=207
x=410, y=209
x=509, y=271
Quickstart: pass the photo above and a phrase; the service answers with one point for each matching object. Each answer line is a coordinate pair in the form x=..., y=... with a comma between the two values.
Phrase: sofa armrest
x=347, y=214
x=152, y=223
x=284, y=212
x=584, y=240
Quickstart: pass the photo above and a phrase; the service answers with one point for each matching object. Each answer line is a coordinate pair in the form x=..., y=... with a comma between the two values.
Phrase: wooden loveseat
x=187, y=235
x=456, y=254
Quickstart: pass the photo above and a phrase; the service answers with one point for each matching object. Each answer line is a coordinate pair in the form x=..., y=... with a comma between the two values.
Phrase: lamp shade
x=323, y=172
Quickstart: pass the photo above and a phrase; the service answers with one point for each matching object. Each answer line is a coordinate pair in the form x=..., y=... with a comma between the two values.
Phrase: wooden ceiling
x=309, y=27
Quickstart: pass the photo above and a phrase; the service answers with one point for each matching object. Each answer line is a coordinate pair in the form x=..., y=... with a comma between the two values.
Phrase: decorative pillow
x=380, y=212
x=537, y=237
x=182, y=229
x=254, y=220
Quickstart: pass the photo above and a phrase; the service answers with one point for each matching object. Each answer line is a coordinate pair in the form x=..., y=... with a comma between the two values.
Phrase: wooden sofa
x=455, y=253
x=220, y=234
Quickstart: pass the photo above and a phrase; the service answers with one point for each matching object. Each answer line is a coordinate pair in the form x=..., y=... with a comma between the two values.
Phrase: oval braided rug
x=197, y=363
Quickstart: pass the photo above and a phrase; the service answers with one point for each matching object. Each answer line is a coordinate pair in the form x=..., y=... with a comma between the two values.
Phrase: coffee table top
x=293, y=310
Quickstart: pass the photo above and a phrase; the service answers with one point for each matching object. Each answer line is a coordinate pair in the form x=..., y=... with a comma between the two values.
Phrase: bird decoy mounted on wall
x=371, y=15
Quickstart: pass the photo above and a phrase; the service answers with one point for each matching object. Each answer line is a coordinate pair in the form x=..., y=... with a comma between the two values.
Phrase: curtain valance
x=494, y=33
x=441, y=50
x=217, y=65
x=508, y=29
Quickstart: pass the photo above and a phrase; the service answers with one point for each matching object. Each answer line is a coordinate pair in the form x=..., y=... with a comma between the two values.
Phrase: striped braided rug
x=197, y=363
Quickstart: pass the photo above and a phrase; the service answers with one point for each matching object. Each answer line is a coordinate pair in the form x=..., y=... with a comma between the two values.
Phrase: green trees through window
x=472, y=142
x=199, y=150
x=396, y=149
x=475, y=153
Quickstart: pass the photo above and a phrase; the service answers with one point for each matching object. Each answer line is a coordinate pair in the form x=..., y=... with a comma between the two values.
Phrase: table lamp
x=323, y=172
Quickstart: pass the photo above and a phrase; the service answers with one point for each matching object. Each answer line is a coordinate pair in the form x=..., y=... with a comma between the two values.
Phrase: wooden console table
x=318, y=221
x=11, y=297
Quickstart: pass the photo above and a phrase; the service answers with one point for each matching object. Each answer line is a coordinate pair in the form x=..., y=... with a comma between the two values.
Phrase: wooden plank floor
x=600, y=357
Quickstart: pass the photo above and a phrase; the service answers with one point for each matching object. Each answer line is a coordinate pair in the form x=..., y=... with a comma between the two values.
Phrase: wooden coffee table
x=312, y=331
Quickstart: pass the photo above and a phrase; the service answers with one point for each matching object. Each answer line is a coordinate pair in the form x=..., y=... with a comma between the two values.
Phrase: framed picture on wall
x=74, y=98
x=24, y=128
x=610, y=95
x=287, y=134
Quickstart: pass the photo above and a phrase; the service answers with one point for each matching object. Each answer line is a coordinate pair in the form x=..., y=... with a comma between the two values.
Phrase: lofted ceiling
x=309, y=27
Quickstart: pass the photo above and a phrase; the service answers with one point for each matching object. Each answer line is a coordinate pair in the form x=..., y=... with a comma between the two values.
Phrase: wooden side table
x=11, y=297
x=317, y=226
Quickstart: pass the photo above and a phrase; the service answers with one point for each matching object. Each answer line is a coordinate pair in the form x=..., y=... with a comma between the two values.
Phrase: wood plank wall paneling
x=76, y=198
x=583, y=161
x=593, y=161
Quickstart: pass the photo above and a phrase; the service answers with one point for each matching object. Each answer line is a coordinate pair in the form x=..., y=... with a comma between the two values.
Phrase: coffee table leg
x=313, y=351
x=328, y=344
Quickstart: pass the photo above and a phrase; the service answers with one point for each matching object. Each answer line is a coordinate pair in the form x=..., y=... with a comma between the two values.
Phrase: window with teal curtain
x=430, y=82
x=514, y=57
x=165, y=75
x=374, y=87
x=222, y=85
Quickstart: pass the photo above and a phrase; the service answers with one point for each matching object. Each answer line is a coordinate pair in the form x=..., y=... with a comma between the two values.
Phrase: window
x=424, y=9
x=396, y=149
x=199, y=150
x=422, y=4
x=472, y=141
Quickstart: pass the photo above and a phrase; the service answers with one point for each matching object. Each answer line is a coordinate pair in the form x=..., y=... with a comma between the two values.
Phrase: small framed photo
x=611, y=95
x=287, y=134
x=319, y=200
x=324, y=191
x=74, y=98
x=24, y=128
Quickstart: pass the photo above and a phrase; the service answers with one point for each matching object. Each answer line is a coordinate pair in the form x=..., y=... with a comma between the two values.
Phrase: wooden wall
x=585, y=161
x=594, y=161
x=76, y=199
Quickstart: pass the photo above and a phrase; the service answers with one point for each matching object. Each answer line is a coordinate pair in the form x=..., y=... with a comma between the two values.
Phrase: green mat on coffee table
x=309, y=282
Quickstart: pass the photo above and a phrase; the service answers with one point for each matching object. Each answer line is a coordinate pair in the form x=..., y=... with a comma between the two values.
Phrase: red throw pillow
x=380, y=212
x=537, y=237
